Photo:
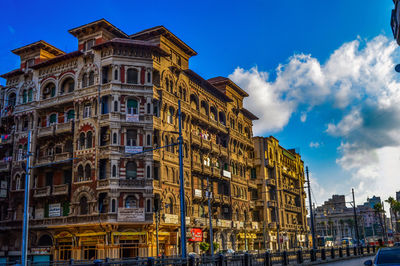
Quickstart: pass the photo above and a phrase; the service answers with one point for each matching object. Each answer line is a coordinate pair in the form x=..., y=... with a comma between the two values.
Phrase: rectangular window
x=132, y=107
x=90, y=44
x=131, y=136
x=87, y=111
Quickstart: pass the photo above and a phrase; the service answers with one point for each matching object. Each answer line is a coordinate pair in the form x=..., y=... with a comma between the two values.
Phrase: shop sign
x=197, y=235
x=133, y=149
x=55, y=210
x=197, y=193
x=40, y=251
x=187, y=220
x=39, y=213
x=131, y=215
x=226, y=173
x=171, y=218
x=132, y=118
x=248, y=235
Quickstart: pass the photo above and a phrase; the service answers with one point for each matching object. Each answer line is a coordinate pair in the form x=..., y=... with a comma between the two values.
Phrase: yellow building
x=281, y=195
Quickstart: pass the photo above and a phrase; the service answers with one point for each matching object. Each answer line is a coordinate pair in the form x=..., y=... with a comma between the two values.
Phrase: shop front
x=130, y=244
x=64, y=243
x=92, y=245
x=41, y=254
x=246, y=241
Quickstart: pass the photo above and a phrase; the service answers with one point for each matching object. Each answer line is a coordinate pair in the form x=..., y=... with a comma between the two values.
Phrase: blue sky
x=248, y=40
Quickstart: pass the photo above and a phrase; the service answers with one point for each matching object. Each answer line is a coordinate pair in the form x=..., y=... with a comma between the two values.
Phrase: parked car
x=396, y=244
x=385, y=256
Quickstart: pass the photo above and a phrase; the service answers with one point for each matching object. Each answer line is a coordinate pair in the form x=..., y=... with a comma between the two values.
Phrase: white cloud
x=314, y=144
x=358, y=81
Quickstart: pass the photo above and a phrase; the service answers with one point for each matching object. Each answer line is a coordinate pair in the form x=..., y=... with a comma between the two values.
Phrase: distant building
x=398, y=195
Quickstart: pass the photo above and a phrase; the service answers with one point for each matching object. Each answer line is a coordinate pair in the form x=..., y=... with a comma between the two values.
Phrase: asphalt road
x=354, y=262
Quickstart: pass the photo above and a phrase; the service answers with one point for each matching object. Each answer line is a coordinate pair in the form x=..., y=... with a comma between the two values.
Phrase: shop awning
x=92, y=234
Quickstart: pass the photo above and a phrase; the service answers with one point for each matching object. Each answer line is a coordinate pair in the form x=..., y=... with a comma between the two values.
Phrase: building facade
x=99, y=186
x=280, y=195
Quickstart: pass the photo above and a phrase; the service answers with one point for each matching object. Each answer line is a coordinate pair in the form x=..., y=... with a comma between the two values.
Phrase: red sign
x=197, y=235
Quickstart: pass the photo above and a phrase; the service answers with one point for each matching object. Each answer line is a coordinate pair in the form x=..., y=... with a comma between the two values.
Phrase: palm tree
x=341, y=222
x=378, y=209
x=394, y=210
x=350, y=223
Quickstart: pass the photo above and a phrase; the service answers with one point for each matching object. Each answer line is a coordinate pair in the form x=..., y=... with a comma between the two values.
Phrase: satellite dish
x=397, y=68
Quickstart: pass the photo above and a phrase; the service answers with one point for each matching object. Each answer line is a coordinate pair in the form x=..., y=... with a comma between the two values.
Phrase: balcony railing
x=224, y=151
x=293, y=208
x=41, y=192
x=60, y=189
x=196, y=140
x=206, y=144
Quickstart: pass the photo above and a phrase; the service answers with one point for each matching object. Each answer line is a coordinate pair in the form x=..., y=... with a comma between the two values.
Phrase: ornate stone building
x=96, y=114
x=280, y=198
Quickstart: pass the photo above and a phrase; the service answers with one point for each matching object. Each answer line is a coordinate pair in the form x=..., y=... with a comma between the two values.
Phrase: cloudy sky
x=320, y=74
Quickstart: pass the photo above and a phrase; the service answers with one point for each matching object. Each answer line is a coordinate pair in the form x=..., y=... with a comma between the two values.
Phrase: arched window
x=131, y=170
x=67, y=86
x=115, y=106
x=114, y=171
x=91, y=78
x=155, y=174
x=45, y=241
x=204, y=108
x=184, y=94
x=84, y=80
x=115, y=138
x=30, y=94
x=171, y=206
x=132, y=107
x=194, y=102
x=167, y=83
x=148, y=140
x=148, y=108
x=52, y=119
x=148, y=171
x=70, y=115
x=116, y=74
x=17, y=182
x=81, y=176
x=170, y=118
x=83, y=204
x=221, y=118
x=12, y=99
x=113, y=205
x=213, y=113
x=166, y=143
x=24, y=96
x=171, y=86
x=148, y=205
x=132, y=76
x=130, y=202
x=81, y=141
x=88, y=172
x=148, y=77
x=89, y=140
x=68, y=146
x=49, y=90
x=172, y=147
x=186, y=151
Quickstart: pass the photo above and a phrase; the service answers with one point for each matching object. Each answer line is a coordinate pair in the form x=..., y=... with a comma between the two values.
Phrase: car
x=396, y=244
x=385, y=256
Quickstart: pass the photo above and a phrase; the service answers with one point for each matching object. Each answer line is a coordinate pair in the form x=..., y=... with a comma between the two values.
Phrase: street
x=354, y=262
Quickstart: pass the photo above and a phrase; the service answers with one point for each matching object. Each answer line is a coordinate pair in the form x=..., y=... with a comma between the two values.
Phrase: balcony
x=196, y=140
x=216, y=172
x=206, y=170
x=79, y=219
x=215, y=148
x=135, y=183
x=270, y=182
x=224, y=223
x=55, y=129
x=206, y=144
x=272, y=203
x=59, y=157
x=292, y=208
x=4, y=166
x=60, y=189
x=41, y=192
x=57, y=100
x=224, y=151
x=170, y=157
x=196, y=166
x=291, y=189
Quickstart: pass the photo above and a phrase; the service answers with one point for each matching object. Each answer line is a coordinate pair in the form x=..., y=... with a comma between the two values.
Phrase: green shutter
x=71, y=114
x=24, y=96
x=53, y=118
x=53, y=91
x=30, y=95
x=132, y=104
x=46, y=210
x=65, y=208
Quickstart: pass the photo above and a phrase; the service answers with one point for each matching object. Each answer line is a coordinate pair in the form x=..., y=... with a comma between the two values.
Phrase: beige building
x=95, y=115
x=280, y=194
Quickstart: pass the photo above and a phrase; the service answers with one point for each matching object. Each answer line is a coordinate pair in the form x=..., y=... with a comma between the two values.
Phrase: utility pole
x=355, y=218
x=311, y=211
x=209, y=217
x=182, y=185
x=25, y=228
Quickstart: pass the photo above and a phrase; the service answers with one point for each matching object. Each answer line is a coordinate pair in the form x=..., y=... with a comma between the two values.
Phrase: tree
x=394, y=210
x=341, y=222
x=378, y=209
x=216, y=246
x=204, y=246
x=350, y=223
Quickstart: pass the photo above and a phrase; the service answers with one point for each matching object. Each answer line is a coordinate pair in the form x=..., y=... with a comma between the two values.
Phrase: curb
x=336, y=259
